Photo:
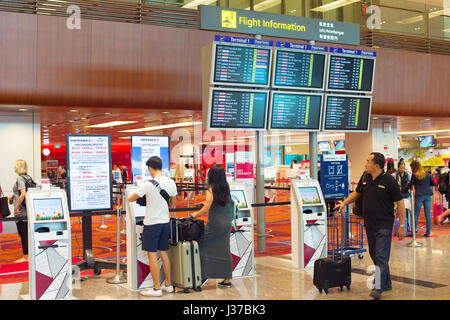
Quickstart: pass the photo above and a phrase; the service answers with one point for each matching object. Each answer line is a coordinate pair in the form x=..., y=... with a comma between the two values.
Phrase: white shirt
x=157, y=209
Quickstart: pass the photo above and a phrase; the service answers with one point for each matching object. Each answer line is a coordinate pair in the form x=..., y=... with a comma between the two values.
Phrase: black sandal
x=225, y=285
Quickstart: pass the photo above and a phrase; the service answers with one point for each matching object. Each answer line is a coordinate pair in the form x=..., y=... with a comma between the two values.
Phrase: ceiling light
x=334, y=5
x=22, y=109
x=46, y=152
x=420, y=132
x=107, y=113
x=53, y=125
x=195, y=3
x=167, y=126
x=129, y=137
x=110, y=124
x=73, y=110
x=427, y=119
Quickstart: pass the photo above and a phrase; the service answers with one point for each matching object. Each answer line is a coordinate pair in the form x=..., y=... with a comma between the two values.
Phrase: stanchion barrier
x=103, y=225
x=413, y=243
x=117, y=279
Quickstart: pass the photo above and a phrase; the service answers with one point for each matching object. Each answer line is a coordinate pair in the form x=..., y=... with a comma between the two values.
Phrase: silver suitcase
x=185, y=265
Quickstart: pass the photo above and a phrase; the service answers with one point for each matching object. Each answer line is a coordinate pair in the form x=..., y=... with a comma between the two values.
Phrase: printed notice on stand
x=89, y=172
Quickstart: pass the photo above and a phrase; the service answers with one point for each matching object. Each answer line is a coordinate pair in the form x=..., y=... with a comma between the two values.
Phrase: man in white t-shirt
x=155, y=237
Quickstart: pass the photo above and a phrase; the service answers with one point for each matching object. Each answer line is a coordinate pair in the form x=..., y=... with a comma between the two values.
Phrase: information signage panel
x=144, y=147
x=351, y=70
x=89, y=172
x=334, y=176
x=241, y=61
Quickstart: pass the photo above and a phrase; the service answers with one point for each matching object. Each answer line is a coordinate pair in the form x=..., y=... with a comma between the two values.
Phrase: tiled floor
x=420, y=273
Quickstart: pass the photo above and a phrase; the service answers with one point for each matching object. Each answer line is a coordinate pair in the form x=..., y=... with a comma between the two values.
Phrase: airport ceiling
x=56, y=122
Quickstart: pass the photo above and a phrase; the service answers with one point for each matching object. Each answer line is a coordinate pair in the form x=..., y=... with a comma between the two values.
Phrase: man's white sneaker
x=152, y=293
x=168, y=289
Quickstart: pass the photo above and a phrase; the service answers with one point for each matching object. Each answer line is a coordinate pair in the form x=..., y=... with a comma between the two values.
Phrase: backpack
x=443, y=183
x=29, y=183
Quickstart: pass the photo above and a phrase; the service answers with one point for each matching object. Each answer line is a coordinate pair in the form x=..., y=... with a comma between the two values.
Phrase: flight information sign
x=241, y=61
x=238, y=109
x=347, y=113
x=299, y=66
x=295, y=111
x=351, y=70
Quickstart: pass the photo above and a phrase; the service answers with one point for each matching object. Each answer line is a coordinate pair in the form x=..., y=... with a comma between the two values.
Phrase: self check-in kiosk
x=308, y=223
x=138, y=270
x=241, y=240
x=49, y=243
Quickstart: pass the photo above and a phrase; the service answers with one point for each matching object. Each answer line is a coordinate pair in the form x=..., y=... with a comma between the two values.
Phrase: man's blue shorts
x=156, y=237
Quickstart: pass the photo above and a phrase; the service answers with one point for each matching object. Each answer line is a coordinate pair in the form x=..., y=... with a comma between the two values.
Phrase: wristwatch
x=402, y=226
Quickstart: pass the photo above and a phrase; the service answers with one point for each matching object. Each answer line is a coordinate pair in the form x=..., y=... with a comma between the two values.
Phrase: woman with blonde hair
x=19, y=190
x=423, y=183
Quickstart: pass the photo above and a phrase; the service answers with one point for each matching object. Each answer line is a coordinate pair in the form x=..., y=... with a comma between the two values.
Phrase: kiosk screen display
x=426, y=141
x=309, y=195
x=139, y=211
x=347, y=113
x=189, y=174
x=144, y=147
x=293, y=111
x=48, y=209
x=324, y=146
x=299, y=69
x=339, y=145
x=350, y=73
x=238, y=197
x=238, y=109
x=241, y=65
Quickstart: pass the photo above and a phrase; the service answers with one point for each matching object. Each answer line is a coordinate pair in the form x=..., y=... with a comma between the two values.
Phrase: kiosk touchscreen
x=241, y=240
x=49, y=243
x=138, y=270
x=308, y=223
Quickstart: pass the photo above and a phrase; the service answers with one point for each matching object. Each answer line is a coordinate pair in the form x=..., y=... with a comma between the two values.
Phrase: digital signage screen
x=299, y=69
x=295, y=111
x=241, y=65
x=324, y=146
x=426, y=141
x=144, y=147
x=339, y=145
x=347, y=73
x=346, y=113
x=237, y=109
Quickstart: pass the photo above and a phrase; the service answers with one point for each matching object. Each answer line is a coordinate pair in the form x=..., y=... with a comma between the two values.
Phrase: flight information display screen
x=299, y=69
x=238, y=109
x=351, y=73
x=242, y=65
x=293, y=111
x=347, y=113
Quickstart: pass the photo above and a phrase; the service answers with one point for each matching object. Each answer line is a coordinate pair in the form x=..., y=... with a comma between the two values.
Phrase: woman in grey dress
x=215, y=253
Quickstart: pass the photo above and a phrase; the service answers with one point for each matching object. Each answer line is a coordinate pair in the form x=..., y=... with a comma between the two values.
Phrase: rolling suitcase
x=334, y=271
x=438, y=209
x=184, y=258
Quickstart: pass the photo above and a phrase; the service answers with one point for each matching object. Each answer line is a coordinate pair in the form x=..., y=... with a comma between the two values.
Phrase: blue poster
x=144, y=147
x=334, y=176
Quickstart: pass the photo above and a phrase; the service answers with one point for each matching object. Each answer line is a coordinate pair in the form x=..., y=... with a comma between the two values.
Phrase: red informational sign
x=244, y=170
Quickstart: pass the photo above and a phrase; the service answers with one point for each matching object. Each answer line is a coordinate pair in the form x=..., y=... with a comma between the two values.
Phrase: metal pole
x=413, y=243
x=259, y=196
x=313, y=148
x=117, y=278
x=103, y=225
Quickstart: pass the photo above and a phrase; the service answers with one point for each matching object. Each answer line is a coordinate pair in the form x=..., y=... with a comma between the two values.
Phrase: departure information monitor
x=299, y=66
x=245, y=64
x=238, y=109
x=294, y=111
x=351, y=73
x=347, y=113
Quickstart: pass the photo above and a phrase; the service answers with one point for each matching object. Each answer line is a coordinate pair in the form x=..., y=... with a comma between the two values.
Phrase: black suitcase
x=334, y=271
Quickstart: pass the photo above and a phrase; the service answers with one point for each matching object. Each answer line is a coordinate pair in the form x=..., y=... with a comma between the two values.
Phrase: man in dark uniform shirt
x=379, y=191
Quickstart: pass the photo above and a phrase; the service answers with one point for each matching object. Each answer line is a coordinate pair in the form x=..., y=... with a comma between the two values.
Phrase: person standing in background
x=423, y=183
x=402, y=177
x=19, y=193
x=124, y=174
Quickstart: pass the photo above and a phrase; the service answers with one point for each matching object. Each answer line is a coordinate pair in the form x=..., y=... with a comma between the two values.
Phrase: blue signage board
x=300, y=46
x=334, y=175
x=238, y=40
x=353, y=52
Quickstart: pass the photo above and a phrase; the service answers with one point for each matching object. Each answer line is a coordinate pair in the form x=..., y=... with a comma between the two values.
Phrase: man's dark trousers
x=380, y=250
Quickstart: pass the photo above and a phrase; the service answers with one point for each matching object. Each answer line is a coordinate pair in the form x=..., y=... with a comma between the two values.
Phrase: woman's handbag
x=191, y=228
x=4, y=207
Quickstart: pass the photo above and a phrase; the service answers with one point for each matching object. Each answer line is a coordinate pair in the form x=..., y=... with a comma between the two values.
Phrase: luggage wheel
x=97, y=271
x=198, y=289
x=186, y=290
x=348, y=287
x=361, y=256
